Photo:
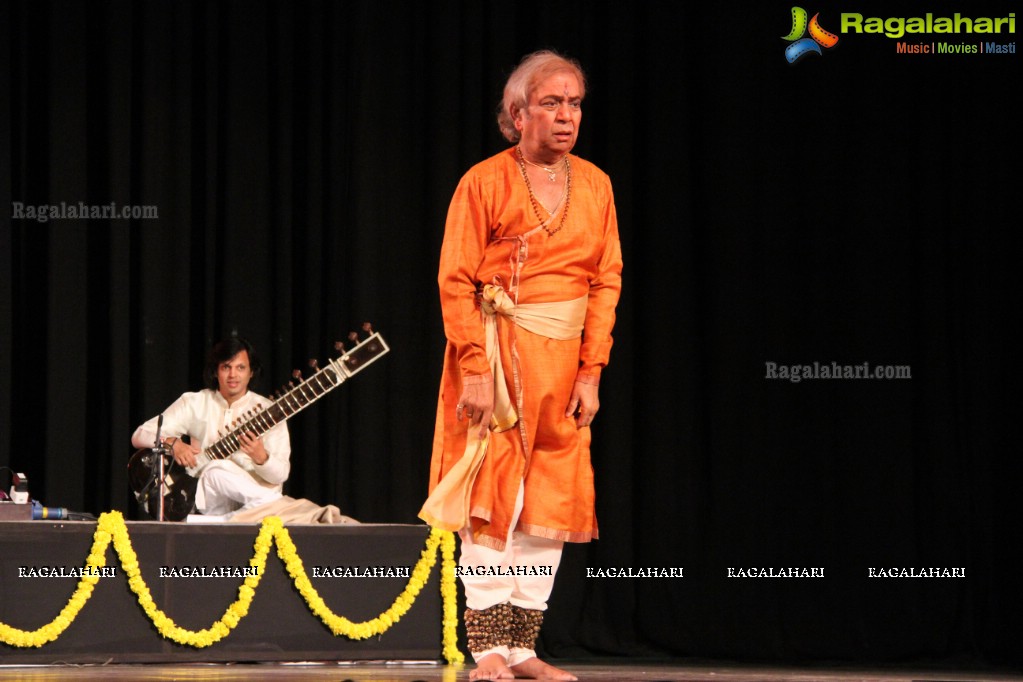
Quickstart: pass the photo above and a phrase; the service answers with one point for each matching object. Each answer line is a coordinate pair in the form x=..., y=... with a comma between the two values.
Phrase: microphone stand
x=160, y=451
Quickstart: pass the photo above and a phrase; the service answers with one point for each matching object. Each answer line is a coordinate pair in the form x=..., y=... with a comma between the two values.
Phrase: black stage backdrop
x=851, y=208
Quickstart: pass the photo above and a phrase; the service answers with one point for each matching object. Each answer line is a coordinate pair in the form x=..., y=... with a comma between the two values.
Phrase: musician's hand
x=477, y=404
x=184, y=454
x=584, y=403
x=253, y=447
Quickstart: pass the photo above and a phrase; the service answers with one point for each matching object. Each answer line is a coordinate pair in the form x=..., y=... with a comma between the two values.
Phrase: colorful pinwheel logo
x=801, y=46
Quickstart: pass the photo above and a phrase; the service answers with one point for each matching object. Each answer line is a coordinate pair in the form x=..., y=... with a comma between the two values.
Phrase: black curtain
x=851, y=208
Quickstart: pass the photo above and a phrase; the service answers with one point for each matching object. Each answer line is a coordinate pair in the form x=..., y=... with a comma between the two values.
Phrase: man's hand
x=477, y=404
x=253, y=447
x=584, y=403
x=184, y=454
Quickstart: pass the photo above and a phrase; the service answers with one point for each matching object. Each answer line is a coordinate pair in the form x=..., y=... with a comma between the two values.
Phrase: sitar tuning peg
x=353, y=337
x=297, y=373
x=367, y=327
x=313, y=364
x=339, y=347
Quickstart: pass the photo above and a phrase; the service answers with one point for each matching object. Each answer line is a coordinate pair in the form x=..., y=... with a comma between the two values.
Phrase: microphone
x=159, y=427
x=41, y=512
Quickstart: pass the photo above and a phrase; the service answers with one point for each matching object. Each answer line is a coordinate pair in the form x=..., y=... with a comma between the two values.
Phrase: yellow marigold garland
x=111, y=527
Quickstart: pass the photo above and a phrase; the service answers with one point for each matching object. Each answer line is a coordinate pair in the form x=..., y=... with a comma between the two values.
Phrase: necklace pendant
x=551, y=174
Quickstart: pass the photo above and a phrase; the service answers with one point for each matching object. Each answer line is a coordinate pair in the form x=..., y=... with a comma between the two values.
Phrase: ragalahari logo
x=802, y=46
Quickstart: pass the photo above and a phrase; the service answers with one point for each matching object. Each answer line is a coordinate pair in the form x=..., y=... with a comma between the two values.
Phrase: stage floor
x=423, y=672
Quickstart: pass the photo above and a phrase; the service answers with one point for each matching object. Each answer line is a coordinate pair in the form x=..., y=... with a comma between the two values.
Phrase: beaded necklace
x=566, y=196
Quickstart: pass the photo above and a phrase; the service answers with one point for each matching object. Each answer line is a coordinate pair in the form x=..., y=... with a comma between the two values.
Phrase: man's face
x=233, y=377
x=550, y=121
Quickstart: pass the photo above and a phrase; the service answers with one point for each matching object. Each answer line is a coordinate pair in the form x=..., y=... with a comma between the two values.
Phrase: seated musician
x=253, y=475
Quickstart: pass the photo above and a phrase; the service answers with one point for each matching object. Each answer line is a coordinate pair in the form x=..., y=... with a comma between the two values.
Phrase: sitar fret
x=261, y=421
x=302, y=387
x=329, y=385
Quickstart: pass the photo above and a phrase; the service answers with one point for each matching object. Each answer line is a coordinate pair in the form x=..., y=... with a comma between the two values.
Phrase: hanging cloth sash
x=447, y=507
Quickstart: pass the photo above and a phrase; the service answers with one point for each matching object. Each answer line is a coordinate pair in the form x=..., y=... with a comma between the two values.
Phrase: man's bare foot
x=538, y=670
x=493, y=667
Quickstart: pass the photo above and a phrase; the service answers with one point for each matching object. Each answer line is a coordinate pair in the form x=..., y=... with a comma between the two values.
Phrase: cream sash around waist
x=562, y=320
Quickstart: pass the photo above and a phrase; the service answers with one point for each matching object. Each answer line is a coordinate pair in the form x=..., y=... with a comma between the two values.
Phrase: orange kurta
x=489, y=214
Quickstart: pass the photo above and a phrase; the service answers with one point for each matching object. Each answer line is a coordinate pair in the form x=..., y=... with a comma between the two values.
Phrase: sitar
x=179, y=483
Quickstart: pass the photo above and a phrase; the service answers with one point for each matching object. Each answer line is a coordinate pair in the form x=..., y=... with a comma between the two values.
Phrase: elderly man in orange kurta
x=530, y=275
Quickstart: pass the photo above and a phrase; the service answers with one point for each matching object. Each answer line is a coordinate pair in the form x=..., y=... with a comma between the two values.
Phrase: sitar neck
x=286, y=405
